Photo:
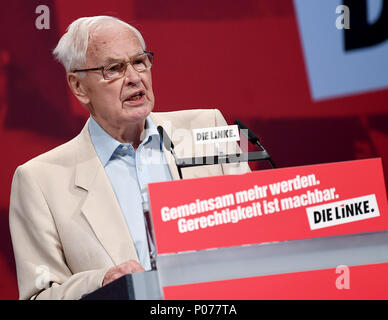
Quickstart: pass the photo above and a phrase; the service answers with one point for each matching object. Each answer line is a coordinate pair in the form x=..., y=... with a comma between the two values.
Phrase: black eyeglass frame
x=127, y=62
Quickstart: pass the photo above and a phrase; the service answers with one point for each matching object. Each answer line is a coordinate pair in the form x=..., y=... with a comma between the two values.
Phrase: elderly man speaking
x=76, y=215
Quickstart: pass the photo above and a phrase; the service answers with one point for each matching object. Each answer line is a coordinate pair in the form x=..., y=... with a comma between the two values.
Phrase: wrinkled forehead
x=112, y=42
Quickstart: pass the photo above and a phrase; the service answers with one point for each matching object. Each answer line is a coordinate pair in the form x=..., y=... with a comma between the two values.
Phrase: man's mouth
x=136, y=96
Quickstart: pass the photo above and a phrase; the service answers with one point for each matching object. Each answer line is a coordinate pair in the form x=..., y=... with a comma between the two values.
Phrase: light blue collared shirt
x=129, y=172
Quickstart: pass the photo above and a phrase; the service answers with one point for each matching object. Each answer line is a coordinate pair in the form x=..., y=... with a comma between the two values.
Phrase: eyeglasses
x=116, y=70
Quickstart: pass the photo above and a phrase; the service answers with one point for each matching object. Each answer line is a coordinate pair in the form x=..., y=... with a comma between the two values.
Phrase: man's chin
x=138, y=114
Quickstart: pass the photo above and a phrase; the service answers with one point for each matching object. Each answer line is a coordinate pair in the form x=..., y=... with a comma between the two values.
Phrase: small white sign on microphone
x=216, y=134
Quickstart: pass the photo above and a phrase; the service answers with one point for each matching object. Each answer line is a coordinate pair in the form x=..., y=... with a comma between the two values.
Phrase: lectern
x=311, y=232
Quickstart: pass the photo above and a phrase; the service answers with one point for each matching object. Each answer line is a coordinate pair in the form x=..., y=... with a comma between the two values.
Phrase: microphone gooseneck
x=253, y=138
x=169, y=146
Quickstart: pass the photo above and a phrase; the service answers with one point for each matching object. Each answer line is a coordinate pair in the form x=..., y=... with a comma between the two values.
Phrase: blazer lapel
x=187, y=173
x=101, y=207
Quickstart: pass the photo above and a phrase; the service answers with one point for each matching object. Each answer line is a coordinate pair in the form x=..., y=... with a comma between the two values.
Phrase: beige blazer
x=66, y=225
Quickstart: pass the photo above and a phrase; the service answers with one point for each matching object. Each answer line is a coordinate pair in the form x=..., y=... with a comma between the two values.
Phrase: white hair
x=71, y=48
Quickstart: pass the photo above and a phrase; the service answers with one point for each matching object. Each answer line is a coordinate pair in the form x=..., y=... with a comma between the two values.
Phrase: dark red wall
x=243, y=57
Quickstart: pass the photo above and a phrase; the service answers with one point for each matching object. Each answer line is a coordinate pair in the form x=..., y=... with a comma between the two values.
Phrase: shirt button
x=125, y=148
x=140, y=168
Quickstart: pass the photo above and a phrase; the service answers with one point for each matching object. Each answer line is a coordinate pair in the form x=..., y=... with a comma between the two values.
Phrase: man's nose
x=131, y=75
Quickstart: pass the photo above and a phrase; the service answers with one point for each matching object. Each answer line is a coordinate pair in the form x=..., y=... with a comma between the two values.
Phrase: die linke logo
x=341, y=212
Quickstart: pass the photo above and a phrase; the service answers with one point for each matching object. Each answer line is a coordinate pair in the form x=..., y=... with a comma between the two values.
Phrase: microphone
x=169, y=146
x=253, y=138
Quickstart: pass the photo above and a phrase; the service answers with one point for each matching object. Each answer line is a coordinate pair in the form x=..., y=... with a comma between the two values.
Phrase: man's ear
x=77, y=88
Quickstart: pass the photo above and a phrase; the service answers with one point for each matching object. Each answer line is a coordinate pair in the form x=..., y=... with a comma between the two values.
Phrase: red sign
x=269, y=205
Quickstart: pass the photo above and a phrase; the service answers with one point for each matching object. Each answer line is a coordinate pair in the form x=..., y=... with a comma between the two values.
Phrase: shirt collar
x=105, y=145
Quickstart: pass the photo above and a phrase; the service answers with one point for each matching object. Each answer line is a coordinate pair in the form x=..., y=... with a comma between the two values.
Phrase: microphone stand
x=150, y=234
x=217, y=159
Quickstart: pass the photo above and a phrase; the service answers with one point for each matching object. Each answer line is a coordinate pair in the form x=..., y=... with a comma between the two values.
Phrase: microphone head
x=160, y=130
x=239, y=123
x=251, y=136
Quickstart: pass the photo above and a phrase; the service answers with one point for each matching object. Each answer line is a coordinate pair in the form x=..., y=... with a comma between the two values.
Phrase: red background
x=243, y=57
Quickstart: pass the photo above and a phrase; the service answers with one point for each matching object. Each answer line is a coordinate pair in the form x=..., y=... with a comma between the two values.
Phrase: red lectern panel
x=269, y=205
